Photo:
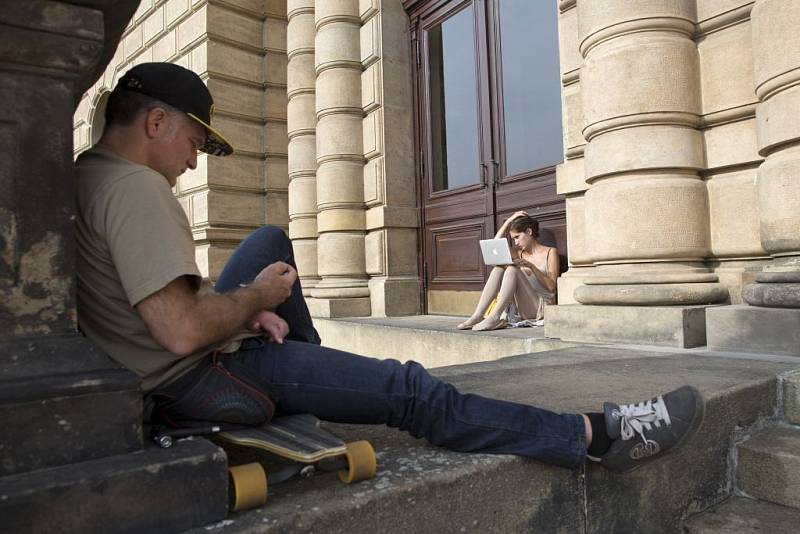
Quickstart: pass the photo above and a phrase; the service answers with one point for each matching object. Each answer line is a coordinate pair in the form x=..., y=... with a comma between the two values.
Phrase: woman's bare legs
x=491, y=289
x=505, y=296
x=528, y=300
x=514, y=286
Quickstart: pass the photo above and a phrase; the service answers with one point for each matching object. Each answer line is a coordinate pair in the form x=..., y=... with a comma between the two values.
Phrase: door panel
x=454, y=260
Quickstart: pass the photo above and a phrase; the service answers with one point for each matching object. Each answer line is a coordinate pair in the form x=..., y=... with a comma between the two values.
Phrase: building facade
x=655, y=140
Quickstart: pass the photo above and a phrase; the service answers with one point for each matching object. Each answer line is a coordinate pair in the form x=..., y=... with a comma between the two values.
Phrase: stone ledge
x=431, y=340
x=672, y=326
x=420, y=488
x=754, y=329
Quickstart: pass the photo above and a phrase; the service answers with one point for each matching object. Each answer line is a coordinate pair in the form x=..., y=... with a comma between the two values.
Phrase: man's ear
x=155, y=122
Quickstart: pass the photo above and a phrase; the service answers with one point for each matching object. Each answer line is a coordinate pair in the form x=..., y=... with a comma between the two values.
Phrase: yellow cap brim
x=216, y=144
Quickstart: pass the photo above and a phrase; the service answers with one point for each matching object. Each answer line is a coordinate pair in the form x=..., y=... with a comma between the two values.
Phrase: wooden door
x=488, y=128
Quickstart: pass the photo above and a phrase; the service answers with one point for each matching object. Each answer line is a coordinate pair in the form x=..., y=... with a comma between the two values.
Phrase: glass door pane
x=453, y=102
x=531, y=85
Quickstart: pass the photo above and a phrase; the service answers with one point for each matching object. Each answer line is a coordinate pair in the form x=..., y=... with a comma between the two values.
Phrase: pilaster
x=389, y=180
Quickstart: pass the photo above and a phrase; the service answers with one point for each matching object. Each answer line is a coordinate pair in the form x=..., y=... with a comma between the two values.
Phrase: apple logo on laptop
x=495, y=252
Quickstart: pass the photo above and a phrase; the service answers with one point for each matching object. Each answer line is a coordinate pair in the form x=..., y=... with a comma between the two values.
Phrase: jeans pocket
x=215, y=394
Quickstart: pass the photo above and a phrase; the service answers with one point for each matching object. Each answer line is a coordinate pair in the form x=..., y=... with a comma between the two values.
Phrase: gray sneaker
x=645, y=431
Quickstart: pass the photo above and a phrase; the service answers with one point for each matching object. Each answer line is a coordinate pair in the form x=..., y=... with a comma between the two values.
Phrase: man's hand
x=274, y=283
x=274, y=327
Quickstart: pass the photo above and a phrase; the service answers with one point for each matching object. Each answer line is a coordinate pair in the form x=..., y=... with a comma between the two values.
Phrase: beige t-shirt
x=133, y=239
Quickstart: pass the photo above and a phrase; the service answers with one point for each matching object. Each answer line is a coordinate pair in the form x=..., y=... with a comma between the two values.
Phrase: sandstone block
x=678, y=326
x=768, y=466
x=338, y=307
x=754, y=329
x=791, y=397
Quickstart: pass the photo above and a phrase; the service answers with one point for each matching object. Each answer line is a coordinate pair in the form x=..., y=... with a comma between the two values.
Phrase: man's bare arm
x=183, y=322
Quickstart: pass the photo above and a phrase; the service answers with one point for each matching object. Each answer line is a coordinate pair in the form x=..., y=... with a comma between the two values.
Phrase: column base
x=341, y=307
x=754, y=329
x=571, y=280
x=669, y=326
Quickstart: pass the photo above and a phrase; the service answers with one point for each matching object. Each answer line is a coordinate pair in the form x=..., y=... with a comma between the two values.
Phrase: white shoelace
x=636, y=418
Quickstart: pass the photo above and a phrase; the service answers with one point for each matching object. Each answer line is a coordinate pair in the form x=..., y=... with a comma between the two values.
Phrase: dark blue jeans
x=346, y=388
x=264, y=247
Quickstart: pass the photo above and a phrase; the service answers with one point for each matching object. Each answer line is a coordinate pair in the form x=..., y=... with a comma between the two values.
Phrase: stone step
x=63, y=401
x=154, y=490
x=421, y=488
x=739, y=515
x=431, y=340
x=768, y=466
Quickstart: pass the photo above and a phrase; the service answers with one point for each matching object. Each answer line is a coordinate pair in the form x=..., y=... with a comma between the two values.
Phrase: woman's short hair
x=522, y=224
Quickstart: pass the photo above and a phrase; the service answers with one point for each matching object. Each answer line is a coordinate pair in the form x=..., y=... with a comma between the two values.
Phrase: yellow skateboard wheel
x=247, y=486
x=361, y=462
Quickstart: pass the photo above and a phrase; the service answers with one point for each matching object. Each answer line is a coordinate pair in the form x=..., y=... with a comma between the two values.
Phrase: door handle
x=484, y=169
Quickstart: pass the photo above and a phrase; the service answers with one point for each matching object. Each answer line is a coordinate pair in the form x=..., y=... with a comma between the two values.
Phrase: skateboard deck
x=296, y=437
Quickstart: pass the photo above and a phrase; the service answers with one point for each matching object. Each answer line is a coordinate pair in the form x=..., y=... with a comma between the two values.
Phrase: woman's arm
x=502, y=232
x=548, y=279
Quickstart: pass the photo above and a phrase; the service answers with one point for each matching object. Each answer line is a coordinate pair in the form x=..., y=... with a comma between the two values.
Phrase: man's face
x=175, y=148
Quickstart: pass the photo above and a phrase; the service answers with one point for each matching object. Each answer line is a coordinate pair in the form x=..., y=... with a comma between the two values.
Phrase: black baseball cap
x=183, y=90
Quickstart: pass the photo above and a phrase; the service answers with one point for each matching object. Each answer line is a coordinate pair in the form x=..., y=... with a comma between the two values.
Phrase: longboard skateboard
x=297, y=438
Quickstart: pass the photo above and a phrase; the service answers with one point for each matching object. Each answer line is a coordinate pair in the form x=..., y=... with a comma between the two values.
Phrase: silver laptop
x=496, y=252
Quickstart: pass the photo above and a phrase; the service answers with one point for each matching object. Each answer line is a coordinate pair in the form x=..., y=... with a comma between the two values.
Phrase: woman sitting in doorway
x=522, y=289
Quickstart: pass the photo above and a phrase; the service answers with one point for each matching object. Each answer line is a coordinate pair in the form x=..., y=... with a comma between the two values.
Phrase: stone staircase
x=766, y=494
x=73, y=454
x=420, y=488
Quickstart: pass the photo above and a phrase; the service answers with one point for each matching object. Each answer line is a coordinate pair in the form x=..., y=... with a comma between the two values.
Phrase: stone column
x=301, y=123
x=646, y=215
x=771, y=324
x=341, y=218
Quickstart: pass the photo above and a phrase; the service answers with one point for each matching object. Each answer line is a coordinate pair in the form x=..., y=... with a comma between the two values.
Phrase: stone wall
x=303, y=90
x=239, y=48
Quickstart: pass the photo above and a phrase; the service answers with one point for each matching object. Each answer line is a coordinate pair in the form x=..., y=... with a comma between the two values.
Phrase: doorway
x=488, y=129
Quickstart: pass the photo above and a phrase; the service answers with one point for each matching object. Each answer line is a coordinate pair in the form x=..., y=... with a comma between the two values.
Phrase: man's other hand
x=274, y=327
x=275, y=283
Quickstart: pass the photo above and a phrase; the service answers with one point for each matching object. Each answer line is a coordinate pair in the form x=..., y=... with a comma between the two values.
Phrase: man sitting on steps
x=246, y=350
